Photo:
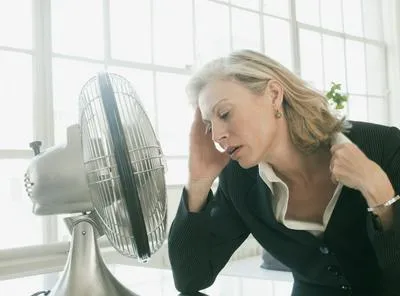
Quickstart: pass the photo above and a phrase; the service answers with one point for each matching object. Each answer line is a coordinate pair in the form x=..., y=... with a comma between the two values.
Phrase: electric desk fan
x=112, y=172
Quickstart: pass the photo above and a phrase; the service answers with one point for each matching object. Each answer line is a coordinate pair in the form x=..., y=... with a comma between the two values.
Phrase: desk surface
x=148, y=281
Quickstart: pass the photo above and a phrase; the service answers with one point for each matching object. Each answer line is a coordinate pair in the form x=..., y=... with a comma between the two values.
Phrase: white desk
x=149, y=281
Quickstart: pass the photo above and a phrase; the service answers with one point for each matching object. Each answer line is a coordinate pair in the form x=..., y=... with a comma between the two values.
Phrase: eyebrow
x=206, y=118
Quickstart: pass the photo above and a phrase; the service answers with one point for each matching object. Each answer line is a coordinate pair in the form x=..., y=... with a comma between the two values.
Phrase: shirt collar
x=268, y=175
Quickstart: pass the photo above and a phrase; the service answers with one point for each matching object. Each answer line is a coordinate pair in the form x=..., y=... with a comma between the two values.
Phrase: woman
x=318, y=193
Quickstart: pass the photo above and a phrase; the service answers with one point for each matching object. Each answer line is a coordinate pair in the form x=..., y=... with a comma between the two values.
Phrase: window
x=154, y=44
x=16, y=15
x=77, y=28
x=16, y=90
x=342, y=41
x=130, y=30
x=173, y=33
x=18, y=226
x=212, y=39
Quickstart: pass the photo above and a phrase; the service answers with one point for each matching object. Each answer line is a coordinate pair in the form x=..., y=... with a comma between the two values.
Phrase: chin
x=246, y=164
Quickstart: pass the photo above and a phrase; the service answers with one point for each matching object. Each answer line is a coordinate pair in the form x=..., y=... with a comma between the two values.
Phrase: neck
x=295, y=167
x=299, y=168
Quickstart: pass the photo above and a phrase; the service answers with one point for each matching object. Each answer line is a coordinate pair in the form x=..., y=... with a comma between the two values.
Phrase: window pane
x=251, y=4
x=177, y=172
x=16, y=14
x=341, y=112
x=130, y=30
x=68, y=79
x=352, y=17
x=278, y=8
x=245, y=30
x=331, y=15
x=142, y=82
x=63, y=234
x=77, y=27
x=307, y=11
x=376, y=70
x=212, y=30
x=311, y=58
x=357, y=108
x=378, y=110
x=355, y=59
x=278, y=44
x=334, y=62
x=173, y=33
x=18, y=225
x=372, y=19
x=175, y=115
x=16, y=128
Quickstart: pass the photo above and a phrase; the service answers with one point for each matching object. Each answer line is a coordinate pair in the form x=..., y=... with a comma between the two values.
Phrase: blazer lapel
x=260, y=204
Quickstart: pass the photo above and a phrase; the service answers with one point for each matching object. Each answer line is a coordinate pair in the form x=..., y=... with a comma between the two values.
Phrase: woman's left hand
x=351, y=167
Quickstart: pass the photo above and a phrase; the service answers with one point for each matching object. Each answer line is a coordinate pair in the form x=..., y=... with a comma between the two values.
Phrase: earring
x=278, y=114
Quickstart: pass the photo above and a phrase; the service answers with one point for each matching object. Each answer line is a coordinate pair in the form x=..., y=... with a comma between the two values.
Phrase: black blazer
x=352, y=258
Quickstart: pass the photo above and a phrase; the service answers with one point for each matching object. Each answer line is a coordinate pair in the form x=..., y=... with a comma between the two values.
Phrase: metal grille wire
x=146, y=158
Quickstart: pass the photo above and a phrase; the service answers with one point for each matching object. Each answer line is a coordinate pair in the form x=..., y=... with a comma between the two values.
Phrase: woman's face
x=242, y=123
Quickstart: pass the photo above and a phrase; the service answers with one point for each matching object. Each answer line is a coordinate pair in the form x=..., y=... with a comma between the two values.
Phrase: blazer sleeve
x=200, y=244
x=387, y=243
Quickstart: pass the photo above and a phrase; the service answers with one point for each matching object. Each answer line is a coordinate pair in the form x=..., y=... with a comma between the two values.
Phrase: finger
x=333, y=162
x=197, y=115
x=334, y=179
x=198, y=122
x=337, y=147
x=335, y=174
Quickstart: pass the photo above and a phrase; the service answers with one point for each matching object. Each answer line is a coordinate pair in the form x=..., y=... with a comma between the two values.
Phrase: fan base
x=85, y=273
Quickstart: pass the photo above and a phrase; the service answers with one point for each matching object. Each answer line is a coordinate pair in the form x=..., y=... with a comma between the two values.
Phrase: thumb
x=334, y=179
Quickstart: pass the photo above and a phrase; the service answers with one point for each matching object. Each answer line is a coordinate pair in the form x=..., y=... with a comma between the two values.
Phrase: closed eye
x=208, y=124
x=224, y=115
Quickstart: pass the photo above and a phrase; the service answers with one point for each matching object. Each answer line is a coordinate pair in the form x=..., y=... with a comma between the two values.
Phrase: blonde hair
x=310, y=121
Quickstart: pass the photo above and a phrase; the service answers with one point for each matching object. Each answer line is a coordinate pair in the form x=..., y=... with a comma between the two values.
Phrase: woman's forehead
x=215, y=91
x=208, y=108
x=220, y=92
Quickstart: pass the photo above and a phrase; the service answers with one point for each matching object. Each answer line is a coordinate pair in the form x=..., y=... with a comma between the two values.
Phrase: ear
x=274, y=91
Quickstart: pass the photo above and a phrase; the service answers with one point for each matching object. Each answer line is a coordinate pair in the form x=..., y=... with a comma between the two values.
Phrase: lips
x=231, y=150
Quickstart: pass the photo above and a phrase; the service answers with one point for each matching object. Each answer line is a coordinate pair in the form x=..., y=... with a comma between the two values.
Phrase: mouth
x=233, y=151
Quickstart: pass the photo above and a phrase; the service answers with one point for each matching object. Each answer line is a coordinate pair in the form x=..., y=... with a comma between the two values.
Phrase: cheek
x=256, y=130
x=264, y=134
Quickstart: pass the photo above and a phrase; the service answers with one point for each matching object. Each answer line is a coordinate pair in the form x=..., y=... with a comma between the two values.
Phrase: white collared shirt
x=280, y=199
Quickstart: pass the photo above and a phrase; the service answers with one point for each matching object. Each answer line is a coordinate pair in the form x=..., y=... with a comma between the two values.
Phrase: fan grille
x=146, y=160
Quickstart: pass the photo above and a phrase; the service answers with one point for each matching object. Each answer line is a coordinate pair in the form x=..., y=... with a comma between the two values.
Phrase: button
x=334, y=270
x=345, y=288
x=324, y=250
x=331, y=268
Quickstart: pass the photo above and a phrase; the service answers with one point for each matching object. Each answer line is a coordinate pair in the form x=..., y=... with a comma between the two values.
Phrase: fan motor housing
x=55, y=179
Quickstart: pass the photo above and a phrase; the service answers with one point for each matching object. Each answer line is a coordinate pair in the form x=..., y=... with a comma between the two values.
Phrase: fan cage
x=146, y=158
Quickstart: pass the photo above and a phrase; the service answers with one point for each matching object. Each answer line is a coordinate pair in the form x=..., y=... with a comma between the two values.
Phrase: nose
x=219, y=133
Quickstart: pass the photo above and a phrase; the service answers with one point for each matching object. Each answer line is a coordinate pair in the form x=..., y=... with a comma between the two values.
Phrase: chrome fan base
x=85, y=273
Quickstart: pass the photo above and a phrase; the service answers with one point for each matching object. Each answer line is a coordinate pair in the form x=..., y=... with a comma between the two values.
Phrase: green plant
x=336, y=97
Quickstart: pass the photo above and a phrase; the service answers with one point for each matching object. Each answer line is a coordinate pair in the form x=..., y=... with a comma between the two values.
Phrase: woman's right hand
x=205, y=164
x=205, y=161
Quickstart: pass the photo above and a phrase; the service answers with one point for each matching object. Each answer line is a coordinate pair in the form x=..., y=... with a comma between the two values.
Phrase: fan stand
x=85, y=273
